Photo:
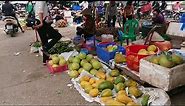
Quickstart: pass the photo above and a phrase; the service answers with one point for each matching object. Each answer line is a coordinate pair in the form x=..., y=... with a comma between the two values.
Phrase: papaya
x=130, y=83
x=132, y=104
x=110, y=78
x=83, y=83
x=114, y=73
x=119, y=86
x=100, y=75
x=119, y=79
x=123, y=98
x=93, y=92
x=105, y=85
x=106, y=93
x=134, y=91
x=88, y=88
x=145, y=99
x=97, y=83
x=122, y=92
x=104, y=99
x=85, y=78
x=92, y=81
x=112, y=102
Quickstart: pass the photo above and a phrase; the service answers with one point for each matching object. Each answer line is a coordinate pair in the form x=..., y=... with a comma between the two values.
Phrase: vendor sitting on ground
x=88, y=27
x=158, y=18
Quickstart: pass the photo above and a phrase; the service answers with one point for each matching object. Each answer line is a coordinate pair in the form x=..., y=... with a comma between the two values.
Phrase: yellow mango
x=123, y=98
x=92, y=81
x=85, y=78
x=122, y=92
x=100, y=75
x=109, y=78
x=104, y=99
x=94, y=92
x=113, y=102
x=132, y=104
x=83, y=83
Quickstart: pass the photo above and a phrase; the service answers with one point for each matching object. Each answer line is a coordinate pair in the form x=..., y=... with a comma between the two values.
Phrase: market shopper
x=45, y=30
x=176, y=6
x=88, y=27
x=163, y=5
x=30, y=8
x=9, y=10
x=128, y=12
x=158, y=17
x=111, y=12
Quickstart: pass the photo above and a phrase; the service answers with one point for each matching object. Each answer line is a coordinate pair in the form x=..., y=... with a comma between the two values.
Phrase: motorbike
x=11, y=26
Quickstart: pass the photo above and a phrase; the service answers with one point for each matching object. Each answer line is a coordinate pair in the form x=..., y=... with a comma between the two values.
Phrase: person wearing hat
x=111, y=12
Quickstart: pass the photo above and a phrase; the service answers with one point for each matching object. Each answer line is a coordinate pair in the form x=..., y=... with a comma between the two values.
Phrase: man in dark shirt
x=158, y=17
x=9, y=10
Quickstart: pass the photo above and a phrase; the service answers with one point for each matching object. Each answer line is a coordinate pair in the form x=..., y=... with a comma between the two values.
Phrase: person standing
x=9, y=10
x=45, y=30
x=30, y=8
x=111, y=12
x=128, y=12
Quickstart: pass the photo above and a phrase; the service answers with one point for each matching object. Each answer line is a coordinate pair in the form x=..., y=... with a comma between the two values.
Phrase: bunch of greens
x=60, y=47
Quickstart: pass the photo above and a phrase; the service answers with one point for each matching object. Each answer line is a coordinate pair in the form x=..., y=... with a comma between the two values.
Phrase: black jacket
x=8, y=9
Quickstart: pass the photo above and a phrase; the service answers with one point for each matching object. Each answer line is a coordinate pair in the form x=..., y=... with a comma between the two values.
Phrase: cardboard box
x=161, y=77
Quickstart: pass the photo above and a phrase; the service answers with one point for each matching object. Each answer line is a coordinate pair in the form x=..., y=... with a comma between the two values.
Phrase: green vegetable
x=145, y=99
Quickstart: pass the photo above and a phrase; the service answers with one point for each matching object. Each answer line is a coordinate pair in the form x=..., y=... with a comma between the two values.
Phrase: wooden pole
x=94, y=8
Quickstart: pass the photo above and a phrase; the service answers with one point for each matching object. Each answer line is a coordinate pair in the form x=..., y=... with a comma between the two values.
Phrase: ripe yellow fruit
x=152, y=48
x=94, y=92
x=132, y=104
x=109, y=78
x=113, y=102
x=100, y=75
x=88, y=88
x=104, y=99
x=92, y=81
x=123, y=98
x=84, y=83
x=122, y=92
x=85, y=78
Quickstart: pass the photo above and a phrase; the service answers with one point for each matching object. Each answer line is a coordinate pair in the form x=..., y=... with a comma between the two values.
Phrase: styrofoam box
x=162, y=77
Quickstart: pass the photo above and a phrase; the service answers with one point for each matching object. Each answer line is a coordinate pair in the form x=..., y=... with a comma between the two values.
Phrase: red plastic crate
x=57, y=69
x=132, y=56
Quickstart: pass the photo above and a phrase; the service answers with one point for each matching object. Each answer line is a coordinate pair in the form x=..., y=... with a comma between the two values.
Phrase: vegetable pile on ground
x=60, y=47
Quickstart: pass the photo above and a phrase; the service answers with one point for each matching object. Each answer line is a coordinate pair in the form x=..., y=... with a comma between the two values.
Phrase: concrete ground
x=25, y=81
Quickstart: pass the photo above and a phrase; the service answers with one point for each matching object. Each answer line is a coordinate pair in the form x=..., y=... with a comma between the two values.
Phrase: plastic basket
x=105, y=55
x=57, y=69
x=132, y=56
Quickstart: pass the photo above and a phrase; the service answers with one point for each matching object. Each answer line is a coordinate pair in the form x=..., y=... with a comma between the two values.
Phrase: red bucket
x=133, y=57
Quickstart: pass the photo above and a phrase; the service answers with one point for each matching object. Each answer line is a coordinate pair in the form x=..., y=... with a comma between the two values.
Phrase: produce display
x=167, y=59
x=111, y=48
x=136, y=52
x=57, y=61
x=60, y=47
x=114, y=89
x=36, y=44
x=107, y=86
x=83, y=62
x=119, y=58
x=149, y=51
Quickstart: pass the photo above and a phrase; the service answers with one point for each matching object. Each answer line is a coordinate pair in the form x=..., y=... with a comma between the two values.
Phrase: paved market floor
x=23, y=79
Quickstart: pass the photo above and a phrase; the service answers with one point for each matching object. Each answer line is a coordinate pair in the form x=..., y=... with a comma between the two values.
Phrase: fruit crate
x=161, y=77
x=57, y=69
x=105, y=55
x=133, y=57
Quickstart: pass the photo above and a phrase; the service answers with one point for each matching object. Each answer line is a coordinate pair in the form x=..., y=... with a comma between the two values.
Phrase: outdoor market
x=125, y=53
